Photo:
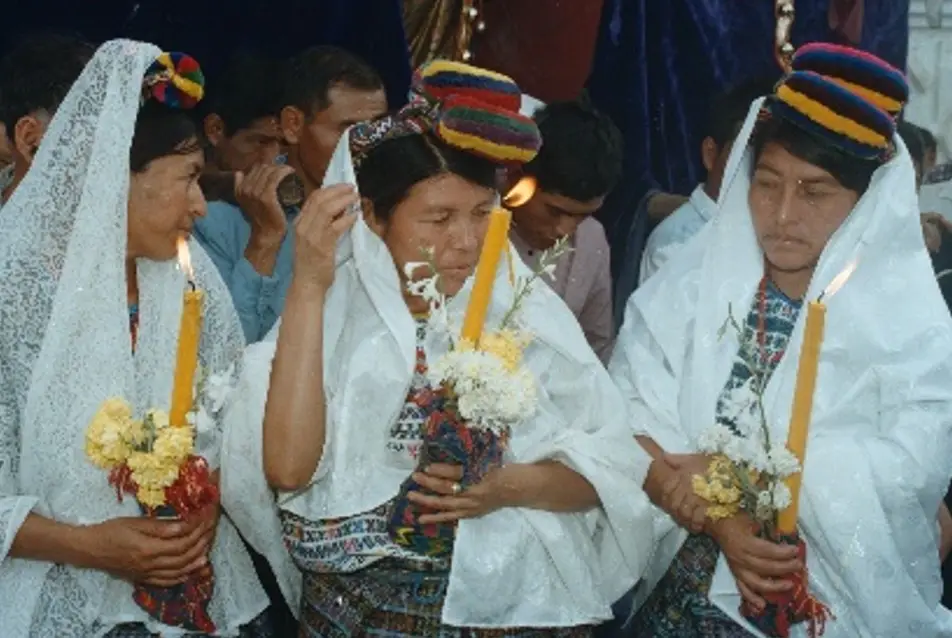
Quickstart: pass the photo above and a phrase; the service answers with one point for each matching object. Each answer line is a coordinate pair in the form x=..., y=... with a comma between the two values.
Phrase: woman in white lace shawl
x=89, y=235
x=819, y=183
x=542, y=545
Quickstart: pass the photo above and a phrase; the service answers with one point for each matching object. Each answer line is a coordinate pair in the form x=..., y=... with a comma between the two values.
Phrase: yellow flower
x=506, y=345
x=173, y=444
x=160, y=419
x=151, y=471
x=719, y=487
x=116, y=409
x=135, y=432
x=110, y=435
x=718, y=512
x=151, y=497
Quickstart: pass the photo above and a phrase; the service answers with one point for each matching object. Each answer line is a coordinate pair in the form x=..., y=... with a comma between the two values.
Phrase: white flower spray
x=749, y=471
x=491, y=387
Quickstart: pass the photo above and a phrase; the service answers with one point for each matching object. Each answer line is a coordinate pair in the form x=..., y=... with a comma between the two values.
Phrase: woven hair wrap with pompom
x=469, y=108
x=176, y=80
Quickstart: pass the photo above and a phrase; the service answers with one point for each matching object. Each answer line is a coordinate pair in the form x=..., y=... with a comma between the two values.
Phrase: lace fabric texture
x=64, y=348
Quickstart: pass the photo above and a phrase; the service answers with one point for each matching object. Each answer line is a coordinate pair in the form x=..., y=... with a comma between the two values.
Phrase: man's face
x=314, y=138
x=714, y=158
x=259, y=143
x=6, y=148
x=26, y=135
x=548, y=217
x=929, y=161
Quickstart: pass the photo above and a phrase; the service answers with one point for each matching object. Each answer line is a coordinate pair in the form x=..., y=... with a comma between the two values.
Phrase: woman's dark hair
x=851, y=172
x=161, y=131
x=391, y=169
x=582, y=151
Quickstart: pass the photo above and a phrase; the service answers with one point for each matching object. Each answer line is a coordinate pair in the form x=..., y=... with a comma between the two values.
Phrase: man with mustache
x=325, y=90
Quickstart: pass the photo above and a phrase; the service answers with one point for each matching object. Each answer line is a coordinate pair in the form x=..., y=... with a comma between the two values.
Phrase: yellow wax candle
x=802, y=408
x=187, y=360
x=497, y=238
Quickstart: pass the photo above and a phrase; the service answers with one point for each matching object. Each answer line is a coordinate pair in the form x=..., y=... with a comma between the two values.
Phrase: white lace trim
x=65, y=347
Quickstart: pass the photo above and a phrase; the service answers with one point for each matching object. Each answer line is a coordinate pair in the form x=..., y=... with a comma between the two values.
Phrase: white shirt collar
x=702, y=203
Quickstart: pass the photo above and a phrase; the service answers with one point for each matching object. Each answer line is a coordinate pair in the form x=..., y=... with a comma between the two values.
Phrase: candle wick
x=191, y=285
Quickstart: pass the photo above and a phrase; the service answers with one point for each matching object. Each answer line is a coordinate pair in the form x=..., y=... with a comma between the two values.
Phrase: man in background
x=913, y=139
x=240, y=115
x=724, y=120
x=930, y=151
x=578, y=165
x=324, y=91
x=6, y=151
x=34, y=79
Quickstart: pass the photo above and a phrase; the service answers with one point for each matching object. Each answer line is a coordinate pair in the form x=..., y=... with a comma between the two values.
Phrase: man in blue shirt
x=325, y=90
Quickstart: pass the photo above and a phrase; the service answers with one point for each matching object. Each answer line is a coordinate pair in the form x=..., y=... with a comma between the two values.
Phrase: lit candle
x=497, y=238
x=803, y=396
x=190, y=330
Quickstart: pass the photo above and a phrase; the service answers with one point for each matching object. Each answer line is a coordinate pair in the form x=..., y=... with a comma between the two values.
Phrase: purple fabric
x=583, y=280
x=656, y=66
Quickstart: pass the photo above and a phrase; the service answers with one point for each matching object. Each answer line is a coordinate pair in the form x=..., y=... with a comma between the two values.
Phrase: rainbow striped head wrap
x=869, y=77
x=848, y=98
x=469, y=108
x=174, y=79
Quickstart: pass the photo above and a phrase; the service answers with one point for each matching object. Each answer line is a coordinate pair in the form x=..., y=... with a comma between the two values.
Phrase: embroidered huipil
x=350, y=544
x=679, y=605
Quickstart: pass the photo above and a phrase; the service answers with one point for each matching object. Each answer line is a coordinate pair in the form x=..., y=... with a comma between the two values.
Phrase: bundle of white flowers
x=486, y=383
x=748, y=471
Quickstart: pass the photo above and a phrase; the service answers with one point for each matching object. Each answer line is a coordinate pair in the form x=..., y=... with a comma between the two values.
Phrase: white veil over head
x=65, y=348
x=880, y=449
x=530, y=568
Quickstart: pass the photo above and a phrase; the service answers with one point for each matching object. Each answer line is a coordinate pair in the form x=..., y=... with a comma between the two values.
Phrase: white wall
x=930, y=69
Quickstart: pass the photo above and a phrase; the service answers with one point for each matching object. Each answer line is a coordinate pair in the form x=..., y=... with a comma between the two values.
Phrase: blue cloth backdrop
x=211, y=30
x=657, y=64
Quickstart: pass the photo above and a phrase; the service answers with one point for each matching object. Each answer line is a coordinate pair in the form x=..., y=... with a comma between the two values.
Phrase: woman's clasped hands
x=449, y=501
x=759, y=566
x=677, y=491
x=151, y=551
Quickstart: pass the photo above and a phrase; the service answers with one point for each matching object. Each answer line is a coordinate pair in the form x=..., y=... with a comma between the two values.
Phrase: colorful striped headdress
x=472, y=109
x=848, y=98
x=174, y=79
x=872, y=78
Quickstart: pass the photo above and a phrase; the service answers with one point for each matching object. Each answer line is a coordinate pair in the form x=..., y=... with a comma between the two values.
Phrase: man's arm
x=596, y=317
x=220, y=234
x=660, y=205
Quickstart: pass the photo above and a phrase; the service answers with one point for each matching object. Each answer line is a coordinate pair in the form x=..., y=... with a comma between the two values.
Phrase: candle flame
x=185, y=260
x=521, y=193
x=839, y=280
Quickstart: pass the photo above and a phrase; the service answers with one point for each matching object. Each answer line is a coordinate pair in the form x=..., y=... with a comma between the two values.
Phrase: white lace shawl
x=880, y=447
x=65, y=347
x=514, y=567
